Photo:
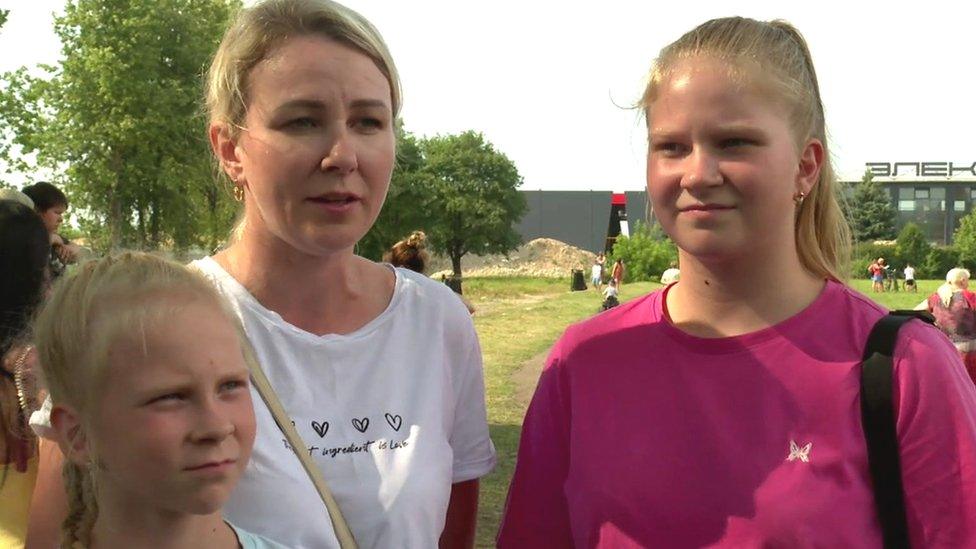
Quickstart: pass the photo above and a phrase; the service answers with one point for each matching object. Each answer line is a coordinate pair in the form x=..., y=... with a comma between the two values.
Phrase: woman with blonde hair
x=954, y=309
x=722, y=410
x=378, y=368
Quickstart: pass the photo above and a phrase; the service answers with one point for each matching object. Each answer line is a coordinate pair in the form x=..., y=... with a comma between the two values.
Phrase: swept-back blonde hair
x=115, y=299
x=260, y=29
x=773, y=55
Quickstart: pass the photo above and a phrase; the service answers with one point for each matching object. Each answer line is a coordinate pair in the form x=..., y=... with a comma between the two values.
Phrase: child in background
x=596, y=274
x=722, y=411
x=610, y=294
x=910, y=278
x=148, y=373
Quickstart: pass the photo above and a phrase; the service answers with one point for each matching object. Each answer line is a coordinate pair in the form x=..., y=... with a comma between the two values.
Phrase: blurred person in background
x=50, y=203
x=954, y=309
x=24, y=252
x=409, y=253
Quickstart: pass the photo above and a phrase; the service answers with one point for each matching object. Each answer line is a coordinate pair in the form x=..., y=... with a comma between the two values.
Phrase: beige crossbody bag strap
x=342, y=531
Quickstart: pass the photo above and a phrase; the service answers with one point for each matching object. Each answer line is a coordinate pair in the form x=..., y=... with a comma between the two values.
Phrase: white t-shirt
x=909, y=273
x=596, y=271
x=393, y=414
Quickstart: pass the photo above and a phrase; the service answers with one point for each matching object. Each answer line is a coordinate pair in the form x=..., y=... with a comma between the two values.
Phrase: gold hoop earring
x=239, y=193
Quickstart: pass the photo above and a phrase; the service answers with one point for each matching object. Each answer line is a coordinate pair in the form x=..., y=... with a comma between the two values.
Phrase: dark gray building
x=936, y=204
x=581, y=218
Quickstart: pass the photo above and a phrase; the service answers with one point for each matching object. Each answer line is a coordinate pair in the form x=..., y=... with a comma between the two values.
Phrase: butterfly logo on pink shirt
x=799, y=453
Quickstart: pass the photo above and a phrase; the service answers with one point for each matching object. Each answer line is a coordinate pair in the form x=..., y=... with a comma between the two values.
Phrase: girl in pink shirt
x=724, y=410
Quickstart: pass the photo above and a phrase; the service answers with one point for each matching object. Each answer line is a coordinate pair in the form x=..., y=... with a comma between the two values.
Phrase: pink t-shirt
x=640, y=435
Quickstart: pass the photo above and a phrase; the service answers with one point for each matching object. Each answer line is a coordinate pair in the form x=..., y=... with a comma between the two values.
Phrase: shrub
x=964, y=240
x=938, y=262
x=911, y=246
x=646, y=253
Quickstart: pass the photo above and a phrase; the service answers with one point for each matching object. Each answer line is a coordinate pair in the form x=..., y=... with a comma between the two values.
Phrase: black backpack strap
x=878, y=418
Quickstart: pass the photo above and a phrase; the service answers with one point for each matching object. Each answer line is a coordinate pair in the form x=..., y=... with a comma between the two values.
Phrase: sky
x=549, y=83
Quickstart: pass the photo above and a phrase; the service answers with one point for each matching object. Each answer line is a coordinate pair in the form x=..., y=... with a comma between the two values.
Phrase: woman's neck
x=132, y=526
x=333, y=293
x=730, y=298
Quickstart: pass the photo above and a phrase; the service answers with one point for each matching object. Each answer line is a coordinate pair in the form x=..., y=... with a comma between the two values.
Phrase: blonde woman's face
x=722, y=164
x=319, y=148
x=175, y=426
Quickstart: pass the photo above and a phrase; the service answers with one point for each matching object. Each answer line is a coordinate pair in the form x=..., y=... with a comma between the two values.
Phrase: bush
x=938, y=262
x=964, y=240
x=646, y=254
x=911, y=246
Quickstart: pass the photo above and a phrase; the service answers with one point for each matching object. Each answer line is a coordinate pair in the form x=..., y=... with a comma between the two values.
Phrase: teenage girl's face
x=174, y=427
x=319, y=148
x=723, y=166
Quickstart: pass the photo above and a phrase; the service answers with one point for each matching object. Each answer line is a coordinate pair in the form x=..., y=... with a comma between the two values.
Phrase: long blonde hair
x=107, y=300
x=774, y=53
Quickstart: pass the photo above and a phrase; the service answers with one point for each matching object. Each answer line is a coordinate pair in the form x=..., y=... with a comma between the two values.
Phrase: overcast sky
x=548, y=82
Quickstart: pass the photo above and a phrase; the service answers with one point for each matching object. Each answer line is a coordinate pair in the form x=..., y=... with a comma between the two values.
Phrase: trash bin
x=578, y=282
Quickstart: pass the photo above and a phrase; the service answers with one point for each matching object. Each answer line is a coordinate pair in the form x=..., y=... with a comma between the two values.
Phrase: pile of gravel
x=542, y=257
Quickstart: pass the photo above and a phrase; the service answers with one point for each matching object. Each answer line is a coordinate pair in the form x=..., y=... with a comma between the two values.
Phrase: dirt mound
x=542, y=257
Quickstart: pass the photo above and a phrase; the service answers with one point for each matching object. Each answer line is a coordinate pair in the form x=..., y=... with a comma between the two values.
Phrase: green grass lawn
x=901, y=299
x=519, y=318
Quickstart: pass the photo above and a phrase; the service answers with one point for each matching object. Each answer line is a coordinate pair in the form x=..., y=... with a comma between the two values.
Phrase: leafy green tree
x=939, y=260
x=120, y=117
x=471, y=198
x=911, y=245
x=3, y=16
x=402, y=212
x=964, y=240
x=872, y=217
x=646, y=253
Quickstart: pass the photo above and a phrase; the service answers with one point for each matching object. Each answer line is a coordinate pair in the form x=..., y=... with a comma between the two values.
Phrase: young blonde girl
x=723, y=410
x=148, y=376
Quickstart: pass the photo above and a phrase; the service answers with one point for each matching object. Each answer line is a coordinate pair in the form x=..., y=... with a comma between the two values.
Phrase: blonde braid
x=82, y=507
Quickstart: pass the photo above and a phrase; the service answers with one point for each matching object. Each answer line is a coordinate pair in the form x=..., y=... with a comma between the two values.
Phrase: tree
x=402, y=212
x=120, y=118
x=911, y=246
x=872, y=217
x=964, y=240
x=646, y=253
x=471, y=197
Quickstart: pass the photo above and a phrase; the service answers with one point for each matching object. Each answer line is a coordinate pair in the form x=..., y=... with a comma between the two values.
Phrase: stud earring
x=798, y=198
